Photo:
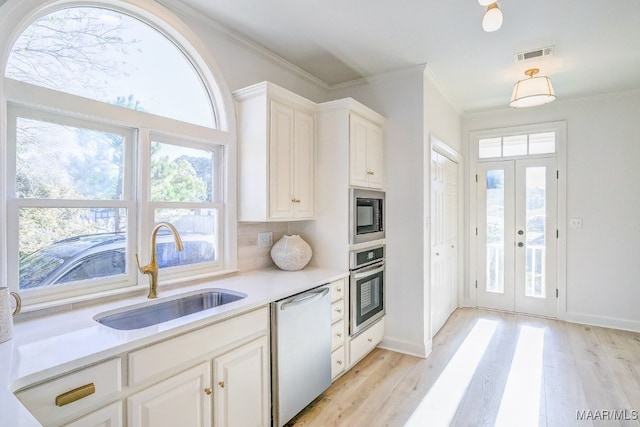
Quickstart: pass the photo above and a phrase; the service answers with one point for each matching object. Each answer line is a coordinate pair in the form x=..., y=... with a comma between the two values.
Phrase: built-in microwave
x=366, y=215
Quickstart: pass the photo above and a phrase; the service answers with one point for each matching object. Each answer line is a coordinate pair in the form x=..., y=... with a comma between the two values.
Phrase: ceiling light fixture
x=492, y=20
x=533, y=91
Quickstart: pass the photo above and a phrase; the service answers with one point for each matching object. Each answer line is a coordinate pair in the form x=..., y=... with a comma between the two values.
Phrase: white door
x=516, y=236
x=181, y=400
x=241, y=379
x=444, y=235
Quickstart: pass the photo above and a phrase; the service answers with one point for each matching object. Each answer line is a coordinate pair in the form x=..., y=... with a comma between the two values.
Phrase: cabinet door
x=241, y=379
x=375, y=156
x=358, y=151
x=281, y=145
x=109, y=416
x=303, y=165
x=181, y=400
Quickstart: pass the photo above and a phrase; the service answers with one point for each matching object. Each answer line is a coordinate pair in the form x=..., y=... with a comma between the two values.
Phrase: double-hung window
x=111, y=129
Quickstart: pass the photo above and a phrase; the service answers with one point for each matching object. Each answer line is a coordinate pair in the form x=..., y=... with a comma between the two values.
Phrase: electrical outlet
x=575, y=223
x=265, y=239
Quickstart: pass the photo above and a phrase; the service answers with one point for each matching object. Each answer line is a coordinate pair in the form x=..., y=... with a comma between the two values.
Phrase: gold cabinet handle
x=75, y=394
x=208, y=391
x=294, y=200
x=339, y=310
x=370, y=173
x=339, y=289
x=221, y=384
x=369, y=339
x=339, y=362
x=339, y=335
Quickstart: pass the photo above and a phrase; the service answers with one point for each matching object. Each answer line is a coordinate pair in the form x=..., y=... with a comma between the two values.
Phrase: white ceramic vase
x=7, y=313
x=291, y=253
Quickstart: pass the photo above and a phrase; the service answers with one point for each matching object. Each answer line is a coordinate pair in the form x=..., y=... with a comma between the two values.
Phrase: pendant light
x=492, y=20
x=533, y=91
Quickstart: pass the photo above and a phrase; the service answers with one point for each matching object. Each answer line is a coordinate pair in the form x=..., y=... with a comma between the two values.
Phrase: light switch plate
x=265, y=239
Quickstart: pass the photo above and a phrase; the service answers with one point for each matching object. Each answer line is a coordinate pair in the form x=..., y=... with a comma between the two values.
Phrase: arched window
x=111, y=57
x=111, y=128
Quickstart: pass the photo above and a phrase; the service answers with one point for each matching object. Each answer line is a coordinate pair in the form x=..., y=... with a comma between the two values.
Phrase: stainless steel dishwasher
x=301, y=351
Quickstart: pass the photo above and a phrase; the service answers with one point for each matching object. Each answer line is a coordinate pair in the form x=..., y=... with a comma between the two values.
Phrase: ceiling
x=596, y=43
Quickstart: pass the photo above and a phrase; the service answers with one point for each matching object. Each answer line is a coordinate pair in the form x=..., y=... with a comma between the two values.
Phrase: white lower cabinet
x=109, y=416
x=339, y=327
x=216, y=375
x=366, y=341
x=181, y=400
x=241, y=385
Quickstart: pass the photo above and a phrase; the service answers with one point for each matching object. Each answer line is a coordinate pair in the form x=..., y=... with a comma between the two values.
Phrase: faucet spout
x=152, y=268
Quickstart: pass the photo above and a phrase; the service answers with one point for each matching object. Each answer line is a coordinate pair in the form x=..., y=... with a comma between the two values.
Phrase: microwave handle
x=368, y=272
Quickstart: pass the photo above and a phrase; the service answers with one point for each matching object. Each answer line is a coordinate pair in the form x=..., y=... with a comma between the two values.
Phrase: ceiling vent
x=523, y=56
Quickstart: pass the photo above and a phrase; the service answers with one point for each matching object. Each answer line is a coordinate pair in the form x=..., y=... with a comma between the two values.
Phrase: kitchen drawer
x=157, y=358
x=337, y=310
x=337, y=335
x=338, y=362
x=337, y=290
x=361, y=345
x=99, y=381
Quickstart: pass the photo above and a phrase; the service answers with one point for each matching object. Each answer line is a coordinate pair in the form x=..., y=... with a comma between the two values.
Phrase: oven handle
x=368, y=272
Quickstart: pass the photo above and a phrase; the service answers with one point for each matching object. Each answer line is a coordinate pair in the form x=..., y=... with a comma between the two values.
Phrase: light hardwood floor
x=548, y=369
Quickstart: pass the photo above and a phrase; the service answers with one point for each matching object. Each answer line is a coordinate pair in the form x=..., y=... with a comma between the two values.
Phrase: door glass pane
x=495, y=231
x=542, y=143
x=514, y=145
x=490, y=147
x=535, y=234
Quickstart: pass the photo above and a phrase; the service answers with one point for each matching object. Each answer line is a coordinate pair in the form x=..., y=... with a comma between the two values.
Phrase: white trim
x=419, y=350
x=244, y=42
x=603, y=321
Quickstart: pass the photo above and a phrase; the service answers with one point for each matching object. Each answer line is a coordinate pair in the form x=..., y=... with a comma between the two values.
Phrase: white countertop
x=48, y=346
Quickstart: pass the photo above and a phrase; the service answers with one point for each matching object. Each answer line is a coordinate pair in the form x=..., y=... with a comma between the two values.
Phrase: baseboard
x=603, y=321
x=407, y=347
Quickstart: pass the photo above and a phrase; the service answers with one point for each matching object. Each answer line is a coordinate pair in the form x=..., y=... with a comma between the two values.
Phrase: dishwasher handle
x=307, y=297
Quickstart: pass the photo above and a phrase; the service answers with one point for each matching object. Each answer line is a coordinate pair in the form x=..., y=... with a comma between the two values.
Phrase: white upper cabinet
x=276, y=154
x=366, y=151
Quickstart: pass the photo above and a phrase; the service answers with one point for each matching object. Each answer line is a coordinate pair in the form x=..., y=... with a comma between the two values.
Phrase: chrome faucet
x=152, y=268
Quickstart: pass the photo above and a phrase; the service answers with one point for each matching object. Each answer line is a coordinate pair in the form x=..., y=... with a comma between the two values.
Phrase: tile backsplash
x=250, y=256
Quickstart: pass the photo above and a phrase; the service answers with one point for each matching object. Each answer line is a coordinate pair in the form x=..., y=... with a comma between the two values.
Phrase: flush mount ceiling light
x=533, y=91
x=492, y=20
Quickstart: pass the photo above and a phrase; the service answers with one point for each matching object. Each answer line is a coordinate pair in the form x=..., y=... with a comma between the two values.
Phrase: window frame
x=20, y=96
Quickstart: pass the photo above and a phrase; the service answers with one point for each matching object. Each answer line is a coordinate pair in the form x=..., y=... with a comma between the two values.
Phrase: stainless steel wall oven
x=366, y=288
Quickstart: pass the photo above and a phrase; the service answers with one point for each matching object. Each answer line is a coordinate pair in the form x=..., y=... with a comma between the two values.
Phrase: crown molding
x=242, y=41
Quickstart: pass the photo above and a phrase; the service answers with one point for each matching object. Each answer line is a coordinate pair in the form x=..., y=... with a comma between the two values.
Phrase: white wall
x=411, y=104
x=603, y=175
x=244, y=63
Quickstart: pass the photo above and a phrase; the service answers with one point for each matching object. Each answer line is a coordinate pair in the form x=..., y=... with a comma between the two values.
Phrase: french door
x=517, y=236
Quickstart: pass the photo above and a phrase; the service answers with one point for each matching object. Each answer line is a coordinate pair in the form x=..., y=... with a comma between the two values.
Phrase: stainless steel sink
x=147, y=314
